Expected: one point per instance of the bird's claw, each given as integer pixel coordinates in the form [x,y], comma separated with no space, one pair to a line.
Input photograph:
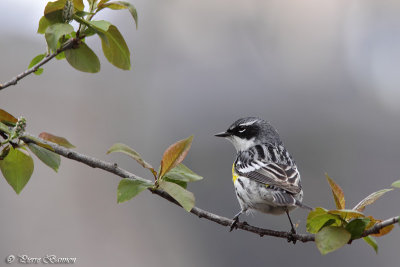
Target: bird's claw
[291,237]
[234,224]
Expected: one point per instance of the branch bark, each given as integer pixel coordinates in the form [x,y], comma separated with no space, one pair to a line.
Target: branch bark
[68,45]
[114,169]
[377,227]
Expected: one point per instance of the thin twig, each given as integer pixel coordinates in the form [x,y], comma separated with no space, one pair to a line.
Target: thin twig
[68,45]
[113,168]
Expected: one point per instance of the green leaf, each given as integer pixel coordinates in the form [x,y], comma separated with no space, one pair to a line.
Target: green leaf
[83,13]
[180,183]
[316,212]
[370,199]
[53,13]
[83,58]
[58,6]
[7,118]
[174,155]
[38,71]
[60,56]
[55,32]
[4,152]
[35,61]
[337,193]
[331,238]
[117,5]
[182,196]
[347,214]
[56,139]
[396,184]
[357,226]
[38,142]
[78,5]
[182,173]
[115,49]
[17,168]
[4,128]
[128,188]
[92,2]
[99,25]
[54,6]
[319,218]
[49,158]
[43,24]
[102,2]
[114,46]
[133,154]
[372,242]
[89,32]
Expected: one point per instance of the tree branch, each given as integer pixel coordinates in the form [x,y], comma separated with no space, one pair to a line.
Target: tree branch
[377,227]
[113,168]
[68,45]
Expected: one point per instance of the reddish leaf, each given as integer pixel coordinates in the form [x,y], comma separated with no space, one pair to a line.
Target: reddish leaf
[370,199]
[56,139]
[175,155]
[337,193]
[372,222]
[7,117]
[384,230]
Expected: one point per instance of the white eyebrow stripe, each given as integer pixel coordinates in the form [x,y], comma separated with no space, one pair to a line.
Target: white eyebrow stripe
[248,123]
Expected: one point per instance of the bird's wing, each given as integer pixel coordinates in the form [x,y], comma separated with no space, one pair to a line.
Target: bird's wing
[271,165]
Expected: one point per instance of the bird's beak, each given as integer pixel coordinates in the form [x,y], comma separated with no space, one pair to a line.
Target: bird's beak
[223,134]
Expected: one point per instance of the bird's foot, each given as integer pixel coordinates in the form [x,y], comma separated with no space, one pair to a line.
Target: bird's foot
[234,224]
[291,237]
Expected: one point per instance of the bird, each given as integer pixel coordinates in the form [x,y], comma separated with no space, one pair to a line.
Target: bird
[264,174]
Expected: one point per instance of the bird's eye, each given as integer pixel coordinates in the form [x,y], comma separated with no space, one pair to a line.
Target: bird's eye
[241,130]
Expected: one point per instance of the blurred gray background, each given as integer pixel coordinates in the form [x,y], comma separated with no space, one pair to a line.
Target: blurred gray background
[325,73]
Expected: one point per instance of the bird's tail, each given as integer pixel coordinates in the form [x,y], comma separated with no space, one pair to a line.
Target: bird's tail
[302,205]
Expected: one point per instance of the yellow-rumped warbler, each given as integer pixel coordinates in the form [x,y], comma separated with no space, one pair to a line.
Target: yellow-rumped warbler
[265,176]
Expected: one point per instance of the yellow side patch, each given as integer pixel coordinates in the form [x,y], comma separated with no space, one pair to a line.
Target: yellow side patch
[234,174]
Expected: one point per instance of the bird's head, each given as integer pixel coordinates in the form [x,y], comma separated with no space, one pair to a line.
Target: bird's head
[250,131]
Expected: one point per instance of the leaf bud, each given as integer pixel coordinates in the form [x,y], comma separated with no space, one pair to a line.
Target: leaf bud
[20,126]
[68,11]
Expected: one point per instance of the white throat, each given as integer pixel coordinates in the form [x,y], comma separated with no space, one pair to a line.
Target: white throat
[241,144]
